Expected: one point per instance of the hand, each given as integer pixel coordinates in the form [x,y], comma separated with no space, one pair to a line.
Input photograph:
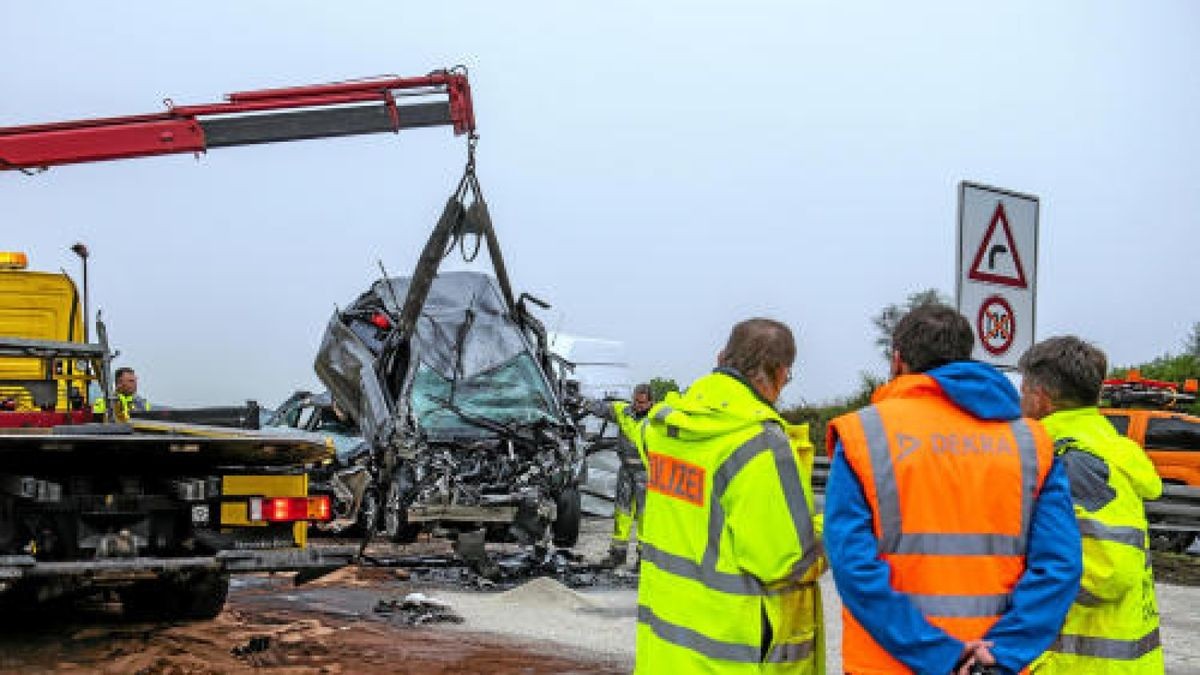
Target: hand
[975,651]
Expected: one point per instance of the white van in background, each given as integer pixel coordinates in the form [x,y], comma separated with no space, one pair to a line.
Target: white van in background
[602,370]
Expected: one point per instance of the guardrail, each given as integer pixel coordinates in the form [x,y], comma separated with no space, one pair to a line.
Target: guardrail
[1178,510]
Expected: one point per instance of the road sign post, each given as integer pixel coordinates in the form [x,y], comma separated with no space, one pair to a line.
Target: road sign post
[997,270]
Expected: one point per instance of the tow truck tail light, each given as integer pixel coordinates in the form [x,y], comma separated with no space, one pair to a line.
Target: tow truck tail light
[318,508]
[289,509]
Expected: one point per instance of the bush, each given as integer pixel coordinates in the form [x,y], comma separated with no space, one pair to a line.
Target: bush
[817,417]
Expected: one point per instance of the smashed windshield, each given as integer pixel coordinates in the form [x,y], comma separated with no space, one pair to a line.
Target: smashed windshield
[474,362]
[513,393]
[476,372]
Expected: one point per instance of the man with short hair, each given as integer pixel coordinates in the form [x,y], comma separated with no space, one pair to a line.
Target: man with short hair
[631,475]
[730,550]
[948,522]
[128,399]
[1113,625]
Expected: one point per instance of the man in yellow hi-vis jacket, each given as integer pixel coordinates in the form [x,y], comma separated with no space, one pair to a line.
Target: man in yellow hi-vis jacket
[1113,625]
[128,399]
[630,496]
[730,549]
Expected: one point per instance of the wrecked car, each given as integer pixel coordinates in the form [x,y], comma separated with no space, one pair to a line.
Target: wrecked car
[350,477]
[463,411]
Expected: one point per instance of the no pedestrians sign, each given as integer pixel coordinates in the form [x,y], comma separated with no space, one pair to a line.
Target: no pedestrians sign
[997,270]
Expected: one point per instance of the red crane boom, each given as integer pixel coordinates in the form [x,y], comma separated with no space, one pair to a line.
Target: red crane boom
[246,118]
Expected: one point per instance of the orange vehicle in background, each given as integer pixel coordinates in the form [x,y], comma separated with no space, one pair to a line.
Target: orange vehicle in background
[1151,412]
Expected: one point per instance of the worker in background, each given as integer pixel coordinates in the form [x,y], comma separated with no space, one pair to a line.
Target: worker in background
[127,396]
[631,475]
[1113,625]
[948,521]
[730,550]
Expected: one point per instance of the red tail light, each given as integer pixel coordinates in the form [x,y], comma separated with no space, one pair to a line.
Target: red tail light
[292,509]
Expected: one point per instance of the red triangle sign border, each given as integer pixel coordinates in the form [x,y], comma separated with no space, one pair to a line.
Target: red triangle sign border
[999,217]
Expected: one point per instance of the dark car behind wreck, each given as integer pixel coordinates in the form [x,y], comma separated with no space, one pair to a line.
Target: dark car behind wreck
[463,411]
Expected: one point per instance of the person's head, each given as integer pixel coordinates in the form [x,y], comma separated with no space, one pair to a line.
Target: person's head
[1060,373]
[762,350]
[643,399]
[929,336]
[126,381]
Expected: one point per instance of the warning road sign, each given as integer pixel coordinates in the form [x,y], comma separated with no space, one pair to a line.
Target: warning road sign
[997,270]
[998,260]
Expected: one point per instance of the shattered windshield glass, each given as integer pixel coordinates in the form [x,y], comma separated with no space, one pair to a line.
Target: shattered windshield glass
[513,393]
[476,372]
[475,367]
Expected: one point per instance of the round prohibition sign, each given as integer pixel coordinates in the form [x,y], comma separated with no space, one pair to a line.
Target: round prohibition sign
[996,325]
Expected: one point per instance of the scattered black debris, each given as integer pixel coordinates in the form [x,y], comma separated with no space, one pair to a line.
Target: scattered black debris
[417,609]
[504,570]
[256,644]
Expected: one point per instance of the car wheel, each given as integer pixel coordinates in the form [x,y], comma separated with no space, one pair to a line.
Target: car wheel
[368,512]
[566,525]
[395,516]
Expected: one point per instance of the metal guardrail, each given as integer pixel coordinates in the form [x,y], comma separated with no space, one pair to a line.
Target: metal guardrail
[1178,510]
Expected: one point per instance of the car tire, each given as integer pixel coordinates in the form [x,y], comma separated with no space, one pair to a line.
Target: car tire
[395,516]
[367,520]
[570,513]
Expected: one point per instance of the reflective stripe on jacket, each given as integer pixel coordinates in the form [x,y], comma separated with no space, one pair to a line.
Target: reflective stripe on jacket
[730,550]
[1113,625]
[952,498]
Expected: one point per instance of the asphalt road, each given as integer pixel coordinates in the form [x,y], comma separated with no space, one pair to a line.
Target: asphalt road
[333,626]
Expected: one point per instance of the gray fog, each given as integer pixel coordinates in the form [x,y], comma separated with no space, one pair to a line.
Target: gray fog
[657,171]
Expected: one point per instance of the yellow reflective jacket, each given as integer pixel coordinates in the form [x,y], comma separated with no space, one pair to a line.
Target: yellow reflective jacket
[129,403]
[1113,625]
[629,426]
[730,549]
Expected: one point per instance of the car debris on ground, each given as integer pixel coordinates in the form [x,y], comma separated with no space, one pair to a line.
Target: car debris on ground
[417,609]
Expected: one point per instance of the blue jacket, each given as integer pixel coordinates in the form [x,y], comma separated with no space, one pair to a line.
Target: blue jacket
[1040,599]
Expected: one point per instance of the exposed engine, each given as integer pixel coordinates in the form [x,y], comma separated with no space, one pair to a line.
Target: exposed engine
[487,472]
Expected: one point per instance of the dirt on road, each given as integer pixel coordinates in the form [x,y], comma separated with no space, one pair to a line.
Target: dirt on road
[248,636]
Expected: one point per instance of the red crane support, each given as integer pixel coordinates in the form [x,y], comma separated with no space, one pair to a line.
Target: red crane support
[246,118]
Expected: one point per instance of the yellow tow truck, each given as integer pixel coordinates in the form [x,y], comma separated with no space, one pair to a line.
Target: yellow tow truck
[161,513]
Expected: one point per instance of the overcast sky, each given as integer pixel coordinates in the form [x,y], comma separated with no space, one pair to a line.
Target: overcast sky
[656,170]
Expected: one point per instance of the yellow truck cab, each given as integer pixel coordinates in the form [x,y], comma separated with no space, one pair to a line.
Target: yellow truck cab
[160,512]
[37,306]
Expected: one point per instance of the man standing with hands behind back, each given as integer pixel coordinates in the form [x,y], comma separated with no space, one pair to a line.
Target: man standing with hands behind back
[948,522]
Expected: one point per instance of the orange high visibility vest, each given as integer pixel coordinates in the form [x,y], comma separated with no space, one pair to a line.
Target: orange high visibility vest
[952,497]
